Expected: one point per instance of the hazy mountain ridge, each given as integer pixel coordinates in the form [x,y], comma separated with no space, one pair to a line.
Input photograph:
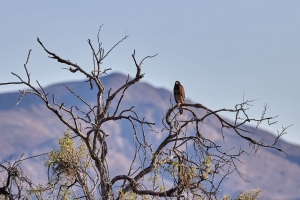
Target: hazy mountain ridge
[37,130]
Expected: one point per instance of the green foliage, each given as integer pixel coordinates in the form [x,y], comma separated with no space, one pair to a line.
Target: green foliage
[144,197]
[65,195]
[226,197]
[162,188]
[188,174]
[252,195]
[246,195]
[207,167]
[207,164]
[68,160]
[128,195]
[133,196]
[37,190]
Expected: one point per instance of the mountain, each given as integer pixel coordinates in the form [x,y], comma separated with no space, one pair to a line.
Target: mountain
[30,129]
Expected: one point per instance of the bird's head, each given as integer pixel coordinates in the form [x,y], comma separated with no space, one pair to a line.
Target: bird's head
[177,83]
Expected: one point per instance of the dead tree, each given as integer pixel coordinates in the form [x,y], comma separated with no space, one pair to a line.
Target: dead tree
[194,174]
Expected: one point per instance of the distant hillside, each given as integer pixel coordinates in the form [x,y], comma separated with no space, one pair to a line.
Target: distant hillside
[31,129]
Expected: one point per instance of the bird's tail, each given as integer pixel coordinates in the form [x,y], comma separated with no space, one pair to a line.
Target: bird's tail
[180,109]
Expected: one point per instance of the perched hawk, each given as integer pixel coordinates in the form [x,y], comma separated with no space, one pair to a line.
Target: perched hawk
[179,95]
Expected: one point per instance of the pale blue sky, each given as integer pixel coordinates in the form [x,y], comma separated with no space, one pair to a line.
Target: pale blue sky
[219,50]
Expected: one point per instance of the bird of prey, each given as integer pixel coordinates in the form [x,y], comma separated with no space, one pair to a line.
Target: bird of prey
[179,95]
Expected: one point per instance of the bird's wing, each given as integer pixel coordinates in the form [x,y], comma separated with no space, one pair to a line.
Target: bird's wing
[182,91]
